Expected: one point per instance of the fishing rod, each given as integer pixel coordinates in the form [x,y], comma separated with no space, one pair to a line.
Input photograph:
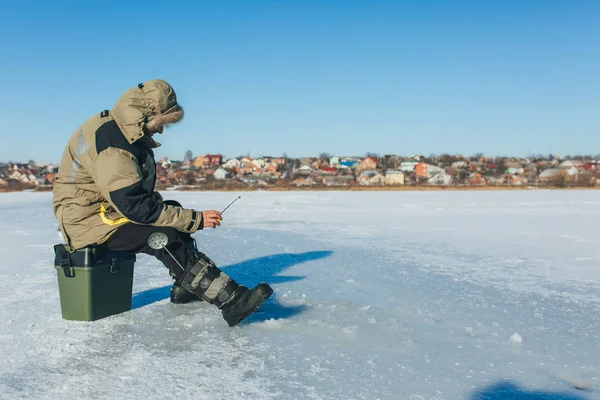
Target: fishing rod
[236,199]
[159,240]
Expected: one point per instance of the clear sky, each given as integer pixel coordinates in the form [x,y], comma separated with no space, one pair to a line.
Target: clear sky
[305,77]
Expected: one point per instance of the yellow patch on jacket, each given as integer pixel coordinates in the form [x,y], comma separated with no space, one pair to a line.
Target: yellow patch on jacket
[111,222]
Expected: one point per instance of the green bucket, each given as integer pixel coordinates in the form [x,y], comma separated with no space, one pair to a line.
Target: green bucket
[93,283]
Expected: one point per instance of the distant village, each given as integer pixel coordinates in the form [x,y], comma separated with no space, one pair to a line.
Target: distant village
[213,172]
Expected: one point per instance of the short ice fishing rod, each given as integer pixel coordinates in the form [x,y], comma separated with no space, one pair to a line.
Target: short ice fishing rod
[159,240]
[236,199]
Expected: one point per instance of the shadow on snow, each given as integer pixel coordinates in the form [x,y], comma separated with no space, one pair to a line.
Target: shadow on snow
[250,273]
[510,391]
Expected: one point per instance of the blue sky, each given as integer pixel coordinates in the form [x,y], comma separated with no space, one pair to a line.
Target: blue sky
[305,77]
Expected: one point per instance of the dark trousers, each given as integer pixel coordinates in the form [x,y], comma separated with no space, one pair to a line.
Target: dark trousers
[134,239]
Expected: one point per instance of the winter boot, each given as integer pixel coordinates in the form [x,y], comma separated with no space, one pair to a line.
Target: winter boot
[244,302]
[203,279]
[179,295]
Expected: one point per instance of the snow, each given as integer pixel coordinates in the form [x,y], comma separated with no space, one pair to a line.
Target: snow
[378,295]
[515,338]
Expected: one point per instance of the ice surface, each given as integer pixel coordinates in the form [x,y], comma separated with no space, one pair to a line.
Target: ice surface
[378,295]
[515,338]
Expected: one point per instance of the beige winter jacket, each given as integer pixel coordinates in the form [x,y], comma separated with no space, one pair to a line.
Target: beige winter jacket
[107,174]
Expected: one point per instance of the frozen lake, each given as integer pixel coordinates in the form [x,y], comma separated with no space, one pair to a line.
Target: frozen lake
[378,295]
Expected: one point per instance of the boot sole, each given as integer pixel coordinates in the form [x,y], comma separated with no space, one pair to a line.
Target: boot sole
[264,298]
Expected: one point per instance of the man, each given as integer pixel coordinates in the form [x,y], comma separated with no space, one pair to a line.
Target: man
[104,196]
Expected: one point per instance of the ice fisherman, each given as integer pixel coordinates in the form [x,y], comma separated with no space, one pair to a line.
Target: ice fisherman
[104,196]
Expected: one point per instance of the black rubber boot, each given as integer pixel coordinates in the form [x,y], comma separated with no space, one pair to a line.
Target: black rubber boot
[244,302]
[179,295]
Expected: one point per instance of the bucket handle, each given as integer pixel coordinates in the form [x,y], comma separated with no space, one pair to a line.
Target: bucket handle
[65,260]
[114,266]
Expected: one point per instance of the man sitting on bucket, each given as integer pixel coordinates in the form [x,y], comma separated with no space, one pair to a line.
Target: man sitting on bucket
[104,196]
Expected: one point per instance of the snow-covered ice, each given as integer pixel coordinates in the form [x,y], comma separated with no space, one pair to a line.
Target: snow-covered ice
[378,295]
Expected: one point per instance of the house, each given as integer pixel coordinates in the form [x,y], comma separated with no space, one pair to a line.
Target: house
[49,178]
[408,166]
[440,179]
[232,164]
[3,182]
[588,167]
[31,179]
[570,164]
[221,173]
[367,164]
[476,166]
[371,177]
[513,179]
[52,169]
[303,170]
[247,169]
[394,177]
[271,169]
[572,171]
[514,167]
[476,179]
[16,175]
[421,170]
[198,162]
[572,167]
[460,164]
[258,163]
[278,161]
[347,164]
[551,175]
[212,160]
[328,170]
[166,163]
[246,160]
[333,161]
[434,169]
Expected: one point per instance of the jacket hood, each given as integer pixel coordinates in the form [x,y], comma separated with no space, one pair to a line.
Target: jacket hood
[151,102]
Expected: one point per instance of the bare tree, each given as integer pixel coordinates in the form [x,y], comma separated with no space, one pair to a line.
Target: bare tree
[500,167]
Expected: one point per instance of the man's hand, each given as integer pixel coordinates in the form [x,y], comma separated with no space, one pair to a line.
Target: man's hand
[212,218]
